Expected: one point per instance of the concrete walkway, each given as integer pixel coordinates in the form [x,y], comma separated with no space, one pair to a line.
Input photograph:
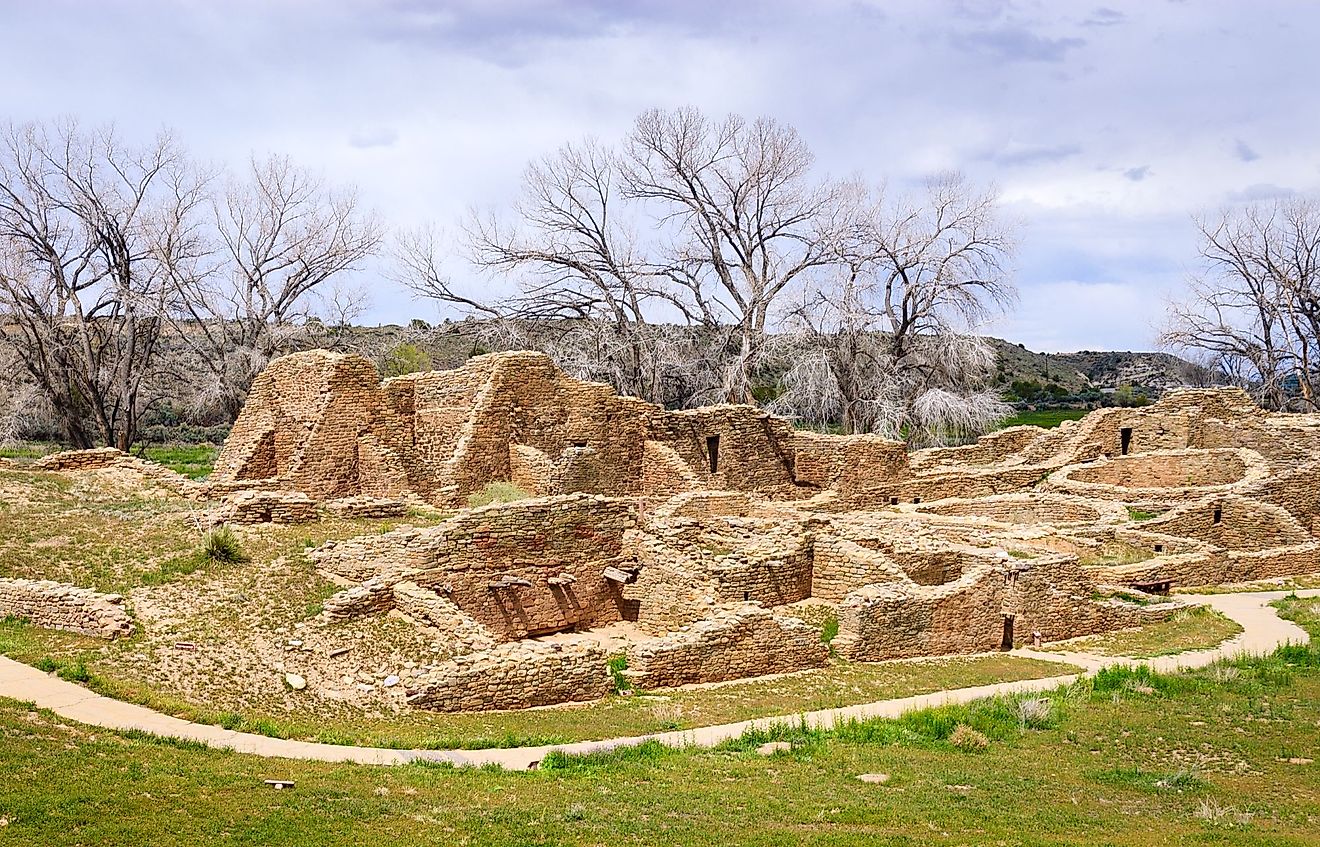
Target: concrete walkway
[1263,630]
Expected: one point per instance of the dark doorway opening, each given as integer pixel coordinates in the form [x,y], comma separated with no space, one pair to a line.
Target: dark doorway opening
[1219,514]
[1007,642]
[713,452]
[1125,440]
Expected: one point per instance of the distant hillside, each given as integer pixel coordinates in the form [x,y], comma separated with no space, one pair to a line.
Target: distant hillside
[1085,372]
[1076,373]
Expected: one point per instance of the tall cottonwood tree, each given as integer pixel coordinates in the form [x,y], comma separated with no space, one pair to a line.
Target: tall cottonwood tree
[89,227]
[734,218]
[1253,310]
[747,219]
[888,341]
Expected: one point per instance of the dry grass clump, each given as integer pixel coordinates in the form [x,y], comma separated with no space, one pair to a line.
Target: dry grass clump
[496,492]
[967,739]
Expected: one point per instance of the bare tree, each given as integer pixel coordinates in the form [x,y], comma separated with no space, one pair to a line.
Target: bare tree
[733,218]
[281,234]
[747,219]
[888,342]
[88,230]
[1253,312]
[580,256]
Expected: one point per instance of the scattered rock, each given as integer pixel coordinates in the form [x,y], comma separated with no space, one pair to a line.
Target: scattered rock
[876,778]
[772,747]
[295,682]
[390,681]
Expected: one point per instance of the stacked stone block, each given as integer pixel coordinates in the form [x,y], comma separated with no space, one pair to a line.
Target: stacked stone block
[57,606]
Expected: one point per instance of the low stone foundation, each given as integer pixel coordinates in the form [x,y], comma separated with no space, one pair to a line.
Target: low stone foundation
[284,507]
[738,643]
[55,605]
[367,507]
[517,675]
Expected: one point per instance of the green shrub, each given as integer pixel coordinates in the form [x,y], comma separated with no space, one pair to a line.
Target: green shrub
[496,492]
[76,672]
[617,665]
[221,547]
[829,628]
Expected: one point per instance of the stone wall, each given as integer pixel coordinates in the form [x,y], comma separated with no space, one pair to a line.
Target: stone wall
[1031,508]
[282,507]
[734,643]
[900,620]
[1232,522]
[57,606]
[516,676]
[977,611]
[840,566]
[523,568]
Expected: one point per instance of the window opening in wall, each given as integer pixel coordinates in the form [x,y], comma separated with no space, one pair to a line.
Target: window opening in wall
[713,452]
[747,595]
[893,501]
[1219,514]
[1007,642]
[1159,548]
[916,499]
[579,444]
[1125,440]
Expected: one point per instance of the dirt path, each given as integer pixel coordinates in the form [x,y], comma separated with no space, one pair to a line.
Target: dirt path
[1262,631]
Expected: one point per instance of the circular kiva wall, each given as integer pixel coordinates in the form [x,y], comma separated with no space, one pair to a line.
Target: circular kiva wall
[1199,471]
[1019,509]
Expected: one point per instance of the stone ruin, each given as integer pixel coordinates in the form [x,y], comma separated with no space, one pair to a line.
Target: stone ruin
[709,544]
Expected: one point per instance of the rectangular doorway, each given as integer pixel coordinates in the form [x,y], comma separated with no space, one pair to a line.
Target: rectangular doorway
[1007,642]
[713,452]
[1125,440]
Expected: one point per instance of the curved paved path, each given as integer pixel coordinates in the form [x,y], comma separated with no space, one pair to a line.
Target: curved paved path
[1262,631]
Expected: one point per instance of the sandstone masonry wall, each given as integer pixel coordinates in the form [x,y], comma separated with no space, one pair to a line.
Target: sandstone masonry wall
[517,676]
[57,606]
[735,643]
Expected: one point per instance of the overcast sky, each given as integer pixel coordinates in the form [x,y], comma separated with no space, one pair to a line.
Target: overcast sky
[1106,127]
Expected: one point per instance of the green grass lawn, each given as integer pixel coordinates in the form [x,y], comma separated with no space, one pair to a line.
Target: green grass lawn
[1043,417]
[192,460]
[1199,628]
[1222,755]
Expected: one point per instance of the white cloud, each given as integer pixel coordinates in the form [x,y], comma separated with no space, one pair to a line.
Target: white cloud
[431,107]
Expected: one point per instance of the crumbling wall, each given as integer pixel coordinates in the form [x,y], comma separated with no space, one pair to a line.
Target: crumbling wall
[522,568]
[1030,508]
[1057,598]
[516,676]
[57,606]
[671,590]
[734,643]
[901,619]
[840,566]
[1232,522]
[282,507]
